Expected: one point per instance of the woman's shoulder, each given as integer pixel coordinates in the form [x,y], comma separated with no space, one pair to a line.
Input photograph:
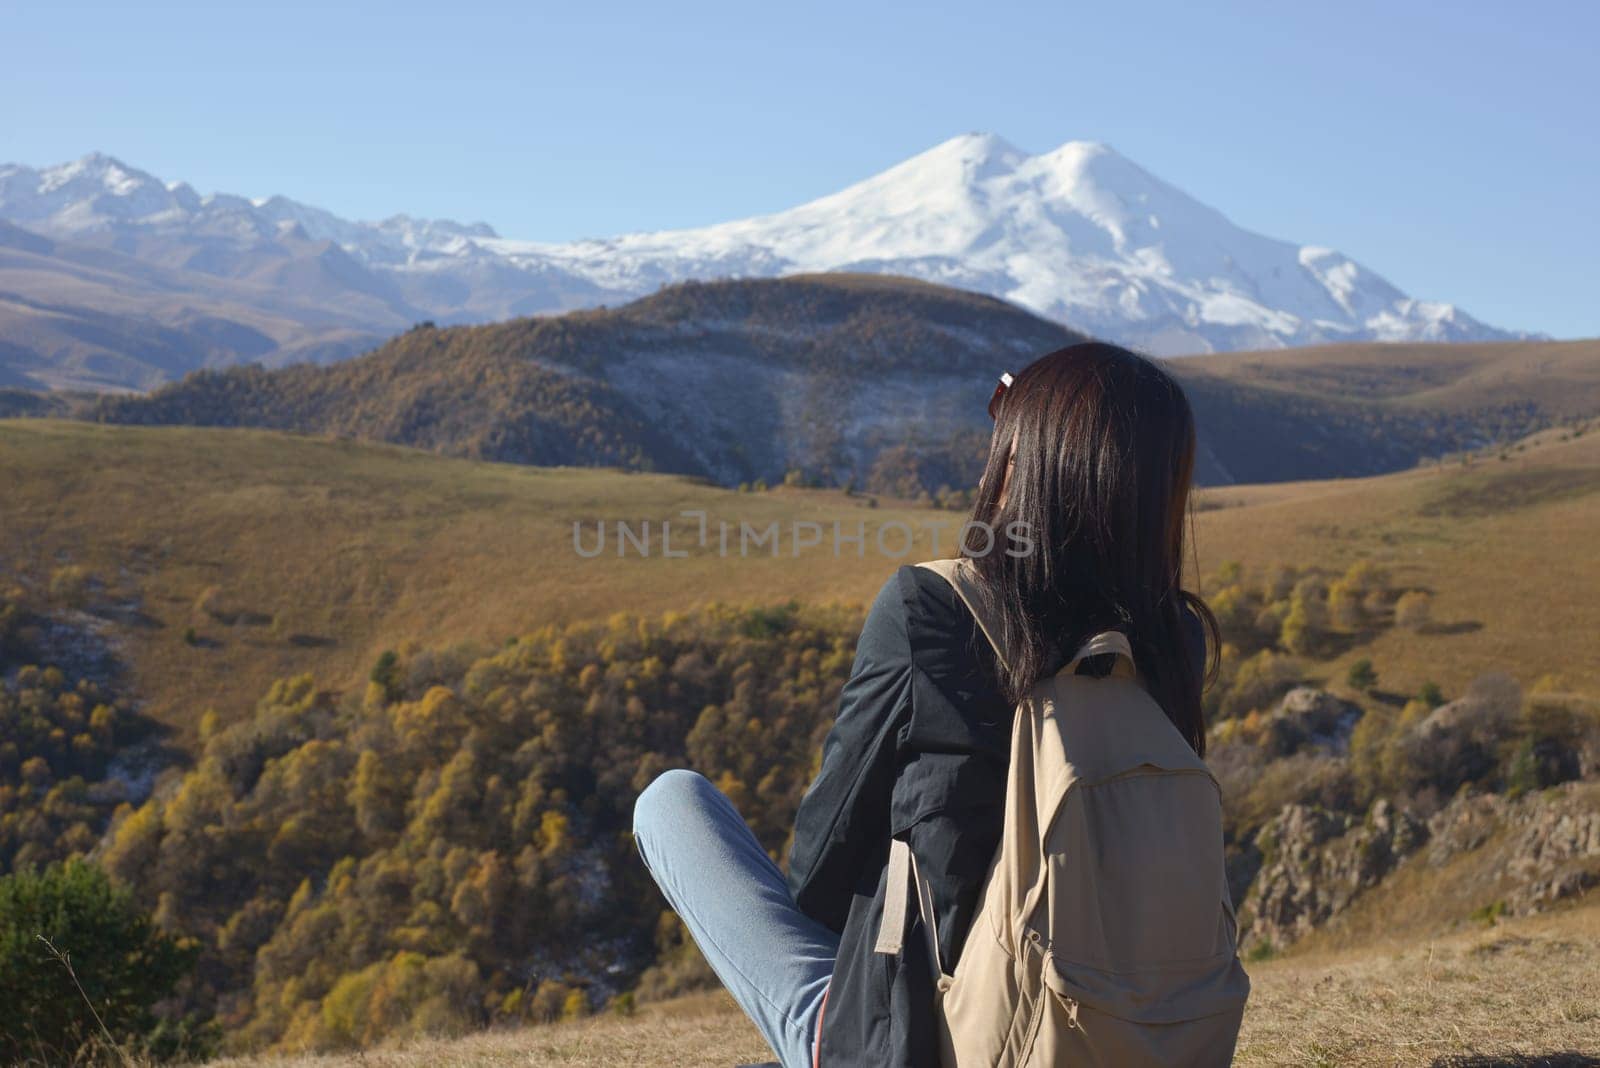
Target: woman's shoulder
[918,596]
[929,594]
[917,609]
[941,632]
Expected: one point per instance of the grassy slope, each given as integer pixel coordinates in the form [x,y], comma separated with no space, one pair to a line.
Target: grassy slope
[329,552]
[1561,376]
[332,552]
[1361,409]
[1506,547]
[1529,988]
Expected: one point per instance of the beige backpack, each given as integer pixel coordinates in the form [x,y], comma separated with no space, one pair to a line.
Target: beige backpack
[1104,934]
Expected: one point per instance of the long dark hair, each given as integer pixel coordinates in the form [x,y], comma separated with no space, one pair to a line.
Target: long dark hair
[1104,455]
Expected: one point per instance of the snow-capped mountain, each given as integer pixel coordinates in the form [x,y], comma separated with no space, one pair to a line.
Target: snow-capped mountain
[1080,234]
[99,195]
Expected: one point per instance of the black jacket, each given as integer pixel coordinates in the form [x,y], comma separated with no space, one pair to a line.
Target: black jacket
[919,751]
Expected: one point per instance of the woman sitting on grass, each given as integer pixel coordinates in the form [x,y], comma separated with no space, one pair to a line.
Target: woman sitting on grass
[1091,460]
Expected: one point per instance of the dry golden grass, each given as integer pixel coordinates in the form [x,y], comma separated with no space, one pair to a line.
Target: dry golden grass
[1525,988]
[706,1029]
[1561,377]
[1506,547]
[1528,988]
[324,553]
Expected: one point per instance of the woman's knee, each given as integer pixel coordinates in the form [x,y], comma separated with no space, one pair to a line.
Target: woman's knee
[666,801]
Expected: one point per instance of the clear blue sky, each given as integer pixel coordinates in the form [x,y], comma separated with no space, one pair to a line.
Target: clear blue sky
[1451,147]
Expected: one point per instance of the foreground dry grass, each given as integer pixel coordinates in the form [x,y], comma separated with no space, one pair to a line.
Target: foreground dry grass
[1525,989]
[1525,993]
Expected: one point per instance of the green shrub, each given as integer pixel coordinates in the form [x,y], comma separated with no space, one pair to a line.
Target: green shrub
[386,674]
[111,957]
[1361,675]
[1489,914]
[1261,951]
[1258,682]
[1552,736]
[1523,771]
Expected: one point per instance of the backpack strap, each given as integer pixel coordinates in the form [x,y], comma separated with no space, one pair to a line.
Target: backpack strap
[964,580]
[901,882]
[1107,641]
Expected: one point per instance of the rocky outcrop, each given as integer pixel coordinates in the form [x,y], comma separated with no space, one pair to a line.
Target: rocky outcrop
[1315,862]
[1533,852]
[1312,718]
[1543,847]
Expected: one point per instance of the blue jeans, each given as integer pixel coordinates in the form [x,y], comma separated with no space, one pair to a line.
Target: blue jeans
[774,960]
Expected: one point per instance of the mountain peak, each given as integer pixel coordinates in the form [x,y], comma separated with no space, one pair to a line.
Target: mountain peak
[988,155]
[96,158]
[974,156]
[978,142]
[97,170]
[101,165]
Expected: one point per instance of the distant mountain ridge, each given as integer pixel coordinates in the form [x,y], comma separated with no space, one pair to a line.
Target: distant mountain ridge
[84,316]
[1080,235]
[862,380]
